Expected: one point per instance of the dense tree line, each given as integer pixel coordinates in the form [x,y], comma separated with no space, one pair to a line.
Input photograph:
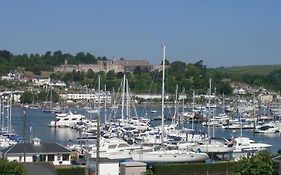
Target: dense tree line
[191,76]
[43,96]
[37,63]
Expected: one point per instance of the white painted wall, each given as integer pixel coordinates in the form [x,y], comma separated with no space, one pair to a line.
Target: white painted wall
[109,168]
[27,159]
[30,159]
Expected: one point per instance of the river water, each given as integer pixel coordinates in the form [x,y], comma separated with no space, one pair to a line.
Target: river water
[39,120]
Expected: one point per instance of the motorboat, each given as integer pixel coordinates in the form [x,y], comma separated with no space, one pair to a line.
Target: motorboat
[244,146]
[268,128]
[68,120]
[116,149]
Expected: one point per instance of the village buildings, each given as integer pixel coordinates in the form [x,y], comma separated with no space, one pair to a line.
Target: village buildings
[106,66]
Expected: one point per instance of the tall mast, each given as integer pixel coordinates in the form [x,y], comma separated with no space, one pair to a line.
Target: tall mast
[193,106]
[105,100]
[223,103]
[209,109]
[1,113]
[98,131]
[254,104]
[51,94]
[214,111]
[238,112]
[123,96]
[176,102]
[10,113]
[183,97]
[163,91]
[127,98]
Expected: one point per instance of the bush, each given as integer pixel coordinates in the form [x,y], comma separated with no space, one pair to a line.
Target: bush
[11,168]
[259,164]
[220,168]
[71,171]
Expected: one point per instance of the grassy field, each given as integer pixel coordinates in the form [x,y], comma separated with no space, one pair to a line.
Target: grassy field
[251,70]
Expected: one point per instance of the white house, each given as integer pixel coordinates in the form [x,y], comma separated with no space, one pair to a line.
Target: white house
[265,98]
[150,96]
[41,81]
[38,152]
[104,97]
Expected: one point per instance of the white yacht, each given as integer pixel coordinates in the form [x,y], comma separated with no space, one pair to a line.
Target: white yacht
[116,149]
[214,146]
[68,120]
[244,146]
[5,142]
[169,156]
[268,128]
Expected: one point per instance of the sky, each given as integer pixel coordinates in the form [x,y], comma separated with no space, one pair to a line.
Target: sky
[220,32]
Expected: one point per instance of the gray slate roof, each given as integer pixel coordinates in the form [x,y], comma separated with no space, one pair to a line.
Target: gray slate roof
[45,148]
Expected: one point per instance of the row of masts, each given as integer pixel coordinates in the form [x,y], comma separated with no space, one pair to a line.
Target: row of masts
[6,115]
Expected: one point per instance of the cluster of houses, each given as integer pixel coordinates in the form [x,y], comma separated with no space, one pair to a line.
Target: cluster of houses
[263,95]
[115,65]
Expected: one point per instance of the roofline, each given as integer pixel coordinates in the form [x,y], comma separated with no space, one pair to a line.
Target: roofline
[275,159]
[21,153]
[62,146]
[9,149]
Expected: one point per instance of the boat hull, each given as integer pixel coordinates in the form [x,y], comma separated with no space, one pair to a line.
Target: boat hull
[169,157]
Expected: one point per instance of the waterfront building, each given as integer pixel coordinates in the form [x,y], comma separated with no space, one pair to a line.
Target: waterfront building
[104,97]
[150,96]
[37,152]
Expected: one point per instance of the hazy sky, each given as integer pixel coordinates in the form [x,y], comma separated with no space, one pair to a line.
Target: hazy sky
[222,32]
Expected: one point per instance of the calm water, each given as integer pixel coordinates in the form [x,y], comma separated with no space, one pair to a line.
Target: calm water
[40,120]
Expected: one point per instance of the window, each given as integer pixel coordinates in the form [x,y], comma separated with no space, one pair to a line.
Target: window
[122,145]
[42,157]
[65,119]
[51,157]
[65,157]
[112,146]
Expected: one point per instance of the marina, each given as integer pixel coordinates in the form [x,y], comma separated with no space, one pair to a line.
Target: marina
[39,121]
[129,133]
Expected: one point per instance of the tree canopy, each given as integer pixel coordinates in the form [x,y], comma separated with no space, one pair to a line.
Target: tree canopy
[191,76]
[11,168]
[259,164]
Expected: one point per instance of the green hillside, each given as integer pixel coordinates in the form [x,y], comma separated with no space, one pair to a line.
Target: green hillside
[251,70]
